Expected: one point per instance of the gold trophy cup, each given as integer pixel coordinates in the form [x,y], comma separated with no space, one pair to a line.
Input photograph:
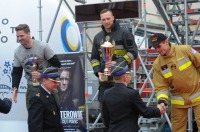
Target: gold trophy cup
[34,61]
[107,54]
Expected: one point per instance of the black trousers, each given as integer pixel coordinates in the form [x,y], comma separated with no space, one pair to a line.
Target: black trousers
[102,88]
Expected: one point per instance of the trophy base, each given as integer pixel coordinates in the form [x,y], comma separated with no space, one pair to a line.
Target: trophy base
[104,78]
[36,84]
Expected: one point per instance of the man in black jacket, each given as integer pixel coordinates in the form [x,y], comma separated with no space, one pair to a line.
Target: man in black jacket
[5,105]
[44,111]
[124,49]
[122,105]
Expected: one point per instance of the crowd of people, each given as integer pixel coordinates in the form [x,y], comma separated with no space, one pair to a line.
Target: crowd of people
[120,105]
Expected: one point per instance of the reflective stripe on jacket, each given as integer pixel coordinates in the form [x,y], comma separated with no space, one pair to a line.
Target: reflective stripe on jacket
[177,74]
[125,46]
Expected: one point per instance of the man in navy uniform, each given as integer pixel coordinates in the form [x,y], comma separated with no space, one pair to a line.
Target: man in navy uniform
[5,104]
[44,111]
[122,105]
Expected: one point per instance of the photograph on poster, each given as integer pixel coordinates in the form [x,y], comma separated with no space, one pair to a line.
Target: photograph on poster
[71,92]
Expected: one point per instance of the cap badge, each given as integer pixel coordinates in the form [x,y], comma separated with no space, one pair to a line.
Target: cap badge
[154,39]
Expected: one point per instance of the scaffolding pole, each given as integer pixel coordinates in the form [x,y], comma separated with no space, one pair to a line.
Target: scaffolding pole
[40,19]
[166,18]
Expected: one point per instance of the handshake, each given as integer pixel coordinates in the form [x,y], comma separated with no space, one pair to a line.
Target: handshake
[162,108]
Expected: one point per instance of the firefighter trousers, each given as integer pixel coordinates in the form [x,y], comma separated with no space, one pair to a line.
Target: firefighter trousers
[179,118]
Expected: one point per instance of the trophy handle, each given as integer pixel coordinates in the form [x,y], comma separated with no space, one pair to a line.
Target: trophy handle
[35,81]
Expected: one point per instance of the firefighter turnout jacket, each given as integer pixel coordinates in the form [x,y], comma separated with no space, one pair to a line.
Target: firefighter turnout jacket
[125,47]
[177,76]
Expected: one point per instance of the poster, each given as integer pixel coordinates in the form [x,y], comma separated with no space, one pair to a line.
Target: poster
[72,92]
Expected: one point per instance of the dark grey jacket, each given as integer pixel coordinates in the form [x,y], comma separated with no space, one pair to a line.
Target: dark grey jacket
[125,46]
[121,108]
[44,113]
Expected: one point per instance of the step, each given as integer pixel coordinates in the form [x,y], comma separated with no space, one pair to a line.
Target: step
[196,43]
[150,120]
[141,82]
[149,63]
[97,125]
[150,55]
[182,12]
[190,33]
[190,22]
[153,100]
[178,1]
[142,72]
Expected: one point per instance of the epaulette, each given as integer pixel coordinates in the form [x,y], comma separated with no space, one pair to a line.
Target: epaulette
[38,94]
